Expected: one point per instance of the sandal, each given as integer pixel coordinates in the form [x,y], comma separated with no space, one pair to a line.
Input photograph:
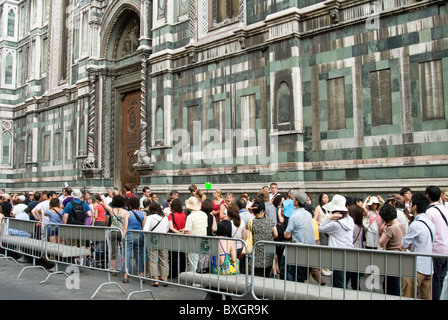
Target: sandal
[155,284]
[125,280]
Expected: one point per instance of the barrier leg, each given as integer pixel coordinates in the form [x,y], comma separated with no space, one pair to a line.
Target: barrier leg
[107,283]
[5,256]
[32,267]
[56,272]
[141,291]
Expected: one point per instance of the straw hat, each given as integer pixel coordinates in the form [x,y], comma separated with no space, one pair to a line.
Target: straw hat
[193,204]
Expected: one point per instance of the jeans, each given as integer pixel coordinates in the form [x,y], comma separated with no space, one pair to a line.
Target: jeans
[391,285]
[338,278]
[440,269]
[134,245]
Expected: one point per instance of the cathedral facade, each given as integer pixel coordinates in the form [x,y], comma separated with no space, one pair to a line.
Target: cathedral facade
[324,95]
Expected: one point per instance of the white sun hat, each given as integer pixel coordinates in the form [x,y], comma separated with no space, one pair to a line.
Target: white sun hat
[336,204]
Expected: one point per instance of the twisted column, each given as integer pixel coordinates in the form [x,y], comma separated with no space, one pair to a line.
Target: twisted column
[90,161]
[192,16]
[143,157]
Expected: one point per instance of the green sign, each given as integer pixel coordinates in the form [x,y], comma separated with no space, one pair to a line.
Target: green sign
[208,185]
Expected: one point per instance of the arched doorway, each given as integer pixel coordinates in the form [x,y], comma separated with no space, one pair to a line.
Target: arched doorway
[122,93]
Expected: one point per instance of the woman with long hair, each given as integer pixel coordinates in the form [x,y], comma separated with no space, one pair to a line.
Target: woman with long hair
[99,211]
[239,230]
[372,221]
[156,221]
[320,214]
[357,214]
[218,201]
[119,218]
[177,219]
[263,228]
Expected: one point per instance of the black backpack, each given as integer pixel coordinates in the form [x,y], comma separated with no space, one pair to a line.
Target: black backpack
[78,214]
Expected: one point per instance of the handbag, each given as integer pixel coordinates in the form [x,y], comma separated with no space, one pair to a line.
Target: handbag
[203,264]
[249,240]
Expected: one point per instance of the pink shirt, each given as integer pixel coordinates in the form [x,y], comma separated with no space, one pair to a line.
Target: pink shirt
[440,245]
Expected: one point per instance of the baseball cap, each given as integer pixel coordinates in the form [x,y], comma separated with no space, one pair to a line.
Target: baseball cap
[300,196]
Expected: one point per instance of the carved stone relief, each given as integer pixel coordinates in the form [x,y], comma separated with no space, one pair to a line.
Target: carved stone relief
[129,39]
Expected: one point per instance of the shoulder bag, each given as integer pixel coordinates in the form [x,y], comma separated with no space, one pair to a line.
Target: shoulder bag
[249,240]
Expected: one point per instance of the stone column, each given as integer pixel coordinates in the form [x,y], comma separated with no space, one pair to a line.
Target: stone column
[144,165]
[89,165]
[145,25]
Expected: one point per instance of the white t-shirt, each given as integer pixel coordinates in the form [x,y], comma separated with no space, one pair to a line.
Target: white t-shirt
[22,216]
[237,233]
[42,207]
[152,220]
[197,222]
[18,209]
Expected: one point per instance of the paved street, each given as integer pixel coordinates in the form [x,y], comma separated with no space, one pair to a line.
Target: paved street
[28,286]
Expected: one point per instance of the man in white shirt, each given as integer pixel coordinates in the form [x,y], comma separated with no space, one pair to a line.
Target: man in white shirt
[444,198]
[63,196]
[42,207]
[146,192]
[419,238]
[273,191]
[19,207]
[439,216]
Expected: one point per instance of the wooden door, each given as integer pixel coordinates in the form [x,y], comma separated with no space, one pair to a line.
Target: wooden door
[130,138]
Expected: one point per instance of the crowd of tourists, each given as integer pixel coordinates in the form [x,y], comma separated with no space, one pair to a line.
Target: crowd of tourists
[404,221]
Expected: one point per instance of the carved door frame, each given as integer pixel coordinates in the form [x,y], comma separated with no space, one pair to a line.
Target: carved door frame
[131,137]
[120,93]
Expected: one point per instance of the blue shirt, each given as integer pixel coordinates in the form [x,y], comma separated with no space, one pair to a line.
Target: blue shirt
[300,225]
[54,217]
[418,236]
[133,223]
[69,206]
[288,207]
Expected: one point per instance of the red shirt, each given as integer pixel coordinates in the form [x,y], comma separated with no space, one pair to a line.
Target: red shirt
[179,220]
[101,212]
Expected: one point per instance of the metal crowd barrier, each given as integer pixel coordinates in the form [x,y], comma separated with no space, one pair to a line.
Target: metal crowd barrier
[24,238]
[82,246]
[368,272]
[93,247]
[183,253]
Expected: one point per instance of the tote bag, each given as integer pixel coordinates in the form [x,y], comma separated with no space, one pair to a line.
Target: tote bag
[249,240]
